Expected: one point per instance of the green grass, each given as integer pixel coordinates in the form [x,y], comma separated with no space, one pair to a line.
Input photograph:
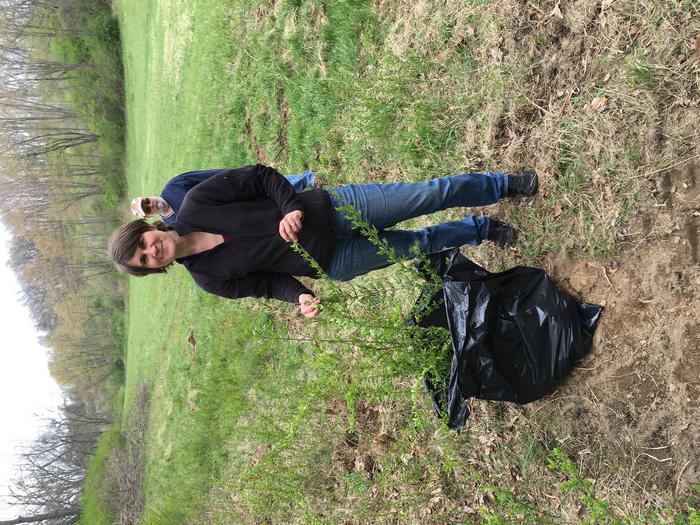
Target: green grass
[275,420]
[94,510]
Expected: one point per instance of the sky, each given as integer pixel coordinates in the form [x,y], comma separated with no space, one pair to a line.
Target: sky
[27,391]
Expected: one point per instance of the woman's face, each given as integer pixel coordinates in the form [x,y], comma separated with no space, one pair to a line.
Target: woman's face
[156,249]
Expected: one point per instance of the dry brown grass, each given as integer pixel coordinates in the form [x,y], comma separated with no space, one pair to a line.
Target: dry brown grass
[127,462]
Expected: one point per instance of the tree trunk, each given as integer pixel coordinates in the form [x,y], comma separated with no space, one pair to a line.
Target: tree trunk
[37,518]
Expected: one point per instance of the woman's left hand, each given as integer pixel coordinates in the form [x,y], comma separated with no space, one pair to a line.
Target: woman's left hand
[290,226]
[309,305]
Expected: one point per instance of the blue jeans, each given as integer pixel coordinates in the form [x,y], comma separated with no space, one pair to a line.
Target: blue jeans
[301,182]
[385,205]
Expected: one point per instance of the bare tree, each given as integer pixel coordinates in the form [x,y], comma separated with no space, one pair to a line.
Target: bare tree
[52,468]
[72,515]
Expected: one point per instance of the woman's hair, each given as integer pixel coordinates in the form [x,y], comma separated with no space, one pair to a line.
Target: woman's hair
[124,241]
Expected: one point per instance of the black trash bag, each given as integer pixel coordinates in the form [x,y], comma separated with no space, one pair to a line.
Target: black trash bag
[515,335]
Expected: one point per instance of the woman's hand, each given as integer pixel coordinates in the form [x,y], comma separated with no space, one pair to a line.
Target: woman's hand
[290,225]
[309,305]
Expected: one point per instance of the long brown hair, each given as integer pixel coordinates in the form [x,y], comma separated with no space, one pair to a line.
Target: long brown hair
[124,241]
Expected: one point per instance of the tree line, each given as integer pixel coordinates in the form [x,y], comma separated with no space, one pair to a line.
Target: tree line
[61,133]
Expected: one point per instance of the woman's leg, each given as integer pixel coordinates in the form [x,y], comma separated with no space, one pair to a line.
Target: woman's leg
[355,255]
[384,205]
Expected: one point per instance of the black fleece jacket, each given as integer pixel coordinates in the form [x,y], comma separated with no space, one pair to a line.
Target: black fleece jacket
[246,205]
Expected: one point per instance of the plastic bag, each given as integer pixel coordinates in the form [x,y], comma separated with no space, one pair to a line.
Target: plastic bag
[515,335]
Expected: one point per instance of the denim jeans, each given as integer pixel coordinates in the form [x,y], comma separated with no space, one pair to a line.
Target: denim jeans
[301,182]
[385,205]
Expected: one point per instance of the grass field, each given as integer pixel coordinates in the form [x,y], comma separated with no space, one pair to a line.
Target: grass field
[263,417]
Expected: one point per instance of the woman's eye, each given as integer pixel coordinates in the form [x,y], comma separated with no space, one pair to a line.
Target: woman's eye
[141,244]
[143,260]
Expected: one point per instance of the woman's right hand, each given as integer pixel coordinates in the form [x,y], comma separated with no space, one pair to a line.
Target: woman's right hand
[291,225]
[309,305]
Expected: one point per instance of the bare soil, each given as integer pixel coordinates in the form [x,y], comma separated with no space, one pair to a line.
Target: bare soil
[634,404]
[636,398]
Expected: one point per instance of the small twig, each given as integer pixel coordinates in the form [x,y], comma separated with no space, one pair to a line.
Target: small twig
[592,393]
[628,374]
[589,368]
[641,241]
[605,273]
[566,102]
[552,400]
[653,379]
[595,403]
[680,474]
[655,458]
[648,495]
[535,104]
[536,8]
[683,307]
[665,168]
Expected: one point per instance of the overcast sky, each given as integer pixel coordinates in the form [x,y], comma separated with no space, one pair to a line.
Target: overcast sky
[27,391]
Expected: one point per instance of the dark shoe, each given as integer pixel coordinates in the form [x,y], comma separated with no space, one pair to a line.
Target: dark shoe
[522,183]
[501,233]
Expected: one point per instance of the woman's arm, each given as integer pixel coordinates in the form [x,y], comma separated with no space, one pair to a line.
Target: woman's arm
[270,285]
[248,184]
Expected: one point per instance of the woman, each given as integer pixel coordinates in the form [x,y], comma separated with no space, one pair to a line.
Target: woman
[233,231]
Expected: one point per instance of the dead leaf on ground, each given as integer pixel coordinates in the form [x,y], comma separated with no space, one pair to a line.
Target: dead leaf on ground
[496,54]
[556,12]
[599,104]
[515,473]
[192,342]
[602,183]
[696,46]
[557,210]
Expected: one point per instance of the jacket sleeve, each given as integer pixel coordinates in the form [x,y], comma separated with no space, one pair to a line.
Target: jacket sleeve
[176,188]
[250,183]
[270,285]
[190,179]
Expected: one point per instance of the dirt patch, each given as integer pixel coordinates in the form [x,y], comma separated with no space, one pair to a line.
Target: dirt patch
[637,396]
[284,119]
[605,126]
[259,151]
[365,443]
